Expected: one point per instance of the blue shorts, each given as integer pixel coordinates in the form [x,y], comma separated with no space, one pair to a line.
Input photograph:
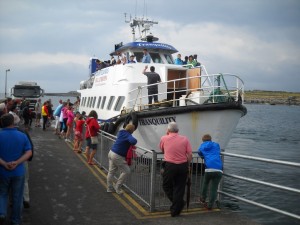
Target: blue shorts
[89,144]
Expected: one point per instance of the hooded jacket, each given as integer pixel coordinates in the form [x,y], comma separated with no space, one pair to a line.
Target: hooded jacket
[123,142]
[210,151]
[92,127]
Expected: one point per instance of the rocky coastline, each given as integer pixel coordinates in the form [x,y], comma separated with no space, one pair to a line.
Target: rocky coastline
[272,97]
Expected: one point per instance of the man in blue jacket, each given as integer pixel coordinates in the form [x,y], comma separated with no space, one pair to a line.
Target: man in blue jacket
[117,158]
[210,151]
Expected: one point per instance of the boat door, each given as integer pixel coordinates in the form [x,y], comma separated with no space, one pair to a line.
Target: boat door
[182,81]
[194,81]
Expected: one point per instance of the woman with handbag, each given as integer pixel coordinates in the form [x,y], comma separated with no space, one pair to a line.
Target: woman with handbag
[92,129]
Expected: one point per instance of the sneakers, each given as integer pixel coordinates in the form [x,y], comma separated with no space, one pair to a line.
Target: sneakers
[110,190]
[119,191]
[68,140]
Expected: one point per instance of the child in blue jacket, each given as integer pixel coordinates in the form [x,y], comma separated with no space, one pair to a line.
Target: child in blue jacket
[210,151]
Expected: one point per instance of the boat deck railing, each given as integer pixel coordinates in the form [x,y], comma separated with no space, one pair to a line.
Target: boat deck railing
[145,180]
[214,88]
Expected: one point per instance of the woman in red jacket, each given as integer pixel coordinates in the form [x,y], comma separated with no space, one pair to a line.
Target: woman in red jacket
[92,129]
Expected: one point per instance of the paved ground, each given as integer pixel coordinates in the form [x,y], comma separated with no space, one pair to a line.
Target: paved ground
[65,190]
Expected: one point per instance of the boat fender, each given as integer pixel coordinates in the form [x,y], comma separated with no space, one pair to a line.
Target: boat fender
[105,127]
[111,128]
[131,117]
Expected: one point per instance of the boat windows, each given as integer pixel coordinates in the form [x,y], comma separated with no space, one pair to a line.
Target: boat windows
[110,102]
[103,102]
[85,98]
[88,102]
[94,101]
[91,102]
[119,103]
[169,58]
[99,101]
[156,57]
[138,56]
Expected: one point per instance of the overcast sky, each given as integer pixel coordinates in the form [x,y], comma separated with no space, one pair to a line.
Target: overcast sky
[51,41]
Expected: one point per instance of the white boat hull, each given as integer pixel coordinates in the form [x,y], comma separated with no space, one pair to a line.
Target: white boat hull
[219,124]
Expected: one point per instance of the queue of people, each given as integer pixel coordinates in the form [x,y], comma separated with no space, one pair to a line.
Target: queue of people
[176,148]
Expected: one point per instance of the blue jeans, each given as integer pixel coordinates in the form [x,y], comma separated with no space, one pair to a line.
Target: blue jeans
[16,185]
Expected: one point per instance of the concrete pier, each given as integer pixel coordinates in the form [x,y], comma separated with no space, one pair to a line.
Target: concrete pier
[64,189]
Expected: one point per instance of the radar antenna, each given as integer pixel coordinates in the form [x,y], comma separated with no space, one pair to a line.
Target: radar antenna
[143,26]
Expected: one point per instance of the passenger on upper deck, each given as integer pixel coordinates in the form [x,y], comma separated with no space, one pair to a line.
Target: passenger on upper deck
[112,61]
[146,57]
[191,62]
[186,59]
[131,59]
[178,60]
[121,57]
[100,65]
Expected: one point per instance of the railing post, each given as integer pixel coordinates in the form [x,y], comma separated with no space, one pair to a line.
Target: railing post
[101,146]
[222,180]
[153,179]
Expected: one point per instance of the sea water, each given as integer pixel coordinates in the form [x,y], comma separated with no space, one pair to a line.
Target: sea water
[268,131]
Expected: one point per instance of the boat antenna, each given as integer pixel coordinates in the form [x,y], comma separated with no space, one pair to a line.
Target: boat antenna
[142,24]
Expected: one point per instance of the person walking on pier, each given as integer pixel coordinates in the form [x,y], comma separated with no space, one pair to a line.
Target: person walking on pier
[15,149]
[45,114]
[117,158]
[210,151]
[92,128]
[177,154]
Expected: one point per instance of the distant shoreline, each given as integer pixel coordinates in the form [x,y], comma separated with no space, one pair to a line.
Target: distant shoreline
[272,97]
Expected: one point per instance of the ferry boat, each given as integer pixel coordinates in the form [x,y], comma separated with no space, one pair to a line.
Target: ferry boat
[198,102]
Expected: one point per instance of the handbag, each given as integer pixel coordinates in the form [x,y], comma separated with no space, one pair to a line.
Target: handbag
[94,140]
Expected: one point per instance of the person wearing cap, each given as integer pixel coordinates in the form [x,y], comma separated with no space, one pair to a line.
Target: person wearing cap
[131,59]
[211,153]
[177,151]
[146,57]
[117,158]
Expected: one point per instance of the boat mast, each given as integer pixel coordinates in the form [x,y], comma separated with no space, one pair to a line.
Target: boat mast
[142,24]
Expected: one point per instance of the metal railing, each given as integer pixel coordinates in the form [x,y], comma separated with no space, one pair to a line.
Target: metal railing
[145,180]
[213,88]
[262,183]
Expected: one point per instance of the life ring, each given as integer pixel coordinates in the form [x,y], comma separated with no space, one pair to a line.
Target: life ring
[131,118]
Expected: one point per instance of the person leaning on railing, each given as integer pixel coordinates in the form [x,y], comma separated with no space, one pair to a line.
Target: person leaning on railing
[117,159]
[210,151]
[177,155]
